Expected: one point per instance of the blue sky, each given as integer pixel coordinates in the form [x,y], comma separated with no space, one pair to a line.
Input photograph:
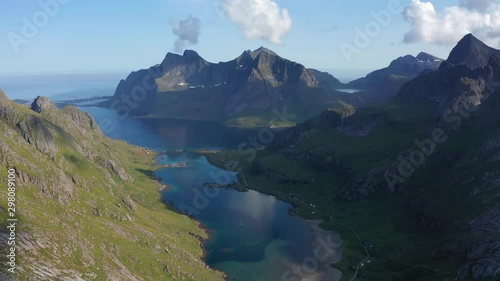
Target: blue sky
[126,35]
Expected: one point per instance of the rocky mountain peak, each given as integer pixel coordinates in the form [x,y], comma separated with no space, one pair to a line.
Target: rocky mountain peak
[264,51]
[245,58]
[403,60]
[41,104]
[471,52]
[188,57]
[191,55]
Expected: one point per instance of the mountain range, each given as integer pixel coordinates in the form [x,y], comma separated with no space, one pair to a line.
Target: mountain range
[251,85]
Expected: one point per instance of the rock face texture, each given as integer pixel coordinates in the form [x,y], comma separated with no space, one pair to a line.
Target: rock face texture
[255,80]
[42,103]
[36,133]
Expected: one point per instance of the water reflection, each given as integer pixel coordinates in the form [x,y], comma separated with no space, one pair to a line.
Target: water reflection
[248,230]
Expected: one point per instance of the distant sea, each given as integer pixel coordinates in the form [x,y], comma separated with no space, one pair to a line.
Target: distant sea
[60,86]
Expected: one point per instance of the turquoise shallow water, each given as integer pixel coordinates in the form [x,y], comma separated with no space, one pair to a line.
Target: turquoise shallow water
[252,235]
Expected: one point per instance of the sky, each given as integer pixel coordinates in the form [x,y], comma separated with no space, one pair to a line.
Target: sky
[45,36]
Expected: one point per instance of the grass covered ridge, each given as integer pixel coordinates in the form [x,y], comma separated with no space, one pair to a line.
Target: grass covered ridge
[92,211]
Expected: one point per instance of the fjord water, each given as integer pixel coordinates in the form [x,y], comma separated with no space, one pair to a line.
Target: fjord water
[252,235]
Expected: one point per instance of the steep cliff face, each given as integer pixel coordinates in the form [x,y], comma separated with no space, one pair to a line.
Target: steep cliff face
[252,82]
[87,206]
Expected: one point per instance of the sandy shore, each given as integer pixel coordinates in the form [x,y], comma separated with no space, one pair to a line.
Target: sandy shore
[326,248]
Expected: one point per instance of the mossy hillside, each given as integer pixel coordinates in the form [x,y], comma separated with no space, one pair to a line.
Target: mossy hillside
[79,219]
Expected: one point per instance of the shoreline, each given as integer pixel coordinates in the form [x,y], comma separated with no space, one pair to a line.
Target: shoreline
[328,272]
[166,187]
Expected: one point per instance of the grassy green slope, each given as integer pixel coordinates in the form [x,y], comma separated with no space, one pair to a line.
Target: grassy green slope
[78,218]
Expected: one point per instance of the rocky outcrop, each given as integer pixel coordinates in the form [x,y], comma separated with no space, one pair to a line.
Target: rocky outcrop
[42,104]
[117,168]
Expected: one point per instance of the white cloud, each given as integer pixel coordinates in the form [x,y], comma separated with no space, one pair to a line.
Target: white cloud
[187,32]
[479,17]
[259,19]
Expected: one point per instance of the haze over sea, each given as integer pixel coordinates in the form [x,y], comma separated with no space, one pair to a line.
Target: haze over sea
[60,86]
